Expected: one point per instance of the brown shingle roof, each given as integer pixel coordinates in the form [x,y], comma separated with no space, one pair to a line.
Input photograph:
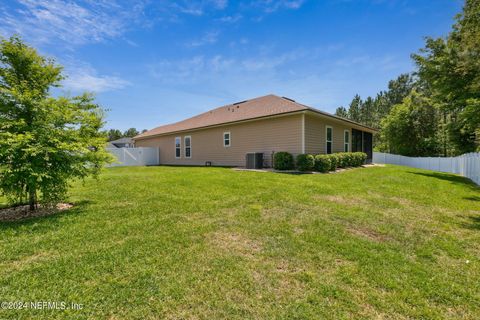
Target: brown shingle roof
[250,109]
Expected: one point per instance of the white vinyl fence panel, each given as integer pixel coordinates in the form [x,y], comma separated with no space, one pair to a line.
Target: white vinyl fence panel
[467,165]
[135,156]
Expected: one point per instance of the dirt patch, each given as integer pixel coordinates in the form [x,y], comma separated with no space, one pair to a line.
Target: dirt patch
[22,212]
[236,243]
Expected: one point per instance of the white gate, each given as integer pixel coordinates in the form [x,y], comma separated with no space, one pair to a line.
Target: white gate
[467,165]
[135,156]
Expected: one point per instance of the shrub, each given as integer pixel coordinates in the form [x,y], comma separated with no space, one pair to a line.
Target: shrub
[333,162]
[344,159]
[283,161]
[348,160]
[305,162]
[322,163]
[339,157]
[358,158]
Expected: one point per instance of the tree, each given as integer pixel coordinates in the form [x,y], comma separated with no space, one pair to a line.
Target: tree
[341,112]
[411,128]
[45,142]
[354,109]
[114,134]
[130,133]
[451,68]
[367,112]
[399,89]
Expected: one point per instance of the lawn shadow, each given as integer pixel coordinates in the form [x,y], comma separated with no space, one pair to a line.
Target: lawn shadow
[44,222]
[294,173]
[473,223]
[458,180]
[472,198]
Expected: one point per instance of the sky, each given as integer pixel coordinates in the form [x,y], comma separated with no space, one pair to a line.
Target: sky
[153,62]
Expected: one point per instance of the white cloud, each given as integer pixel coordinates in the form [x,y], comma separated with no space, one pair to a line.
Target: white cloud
[75,23]
[220,4]
[274,5]
[208,38]
[85,78]
[201,68]
[195,8]
[231,19]
[326,76]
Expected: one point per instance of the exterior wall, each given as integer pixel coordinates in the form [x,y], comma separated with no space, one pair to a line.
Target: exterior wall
[315,134]
[283,133]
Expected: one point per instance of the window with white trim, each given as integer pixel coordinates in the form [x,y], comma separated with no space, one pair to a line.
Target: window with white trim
[178,147]
[227,141]
[187,141]
[346,141]
[329,139]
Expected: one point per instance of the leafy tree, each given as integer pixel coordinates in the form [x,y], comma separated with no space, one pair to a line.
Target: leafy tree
[130,133]
[341,112]
[45,142]
[451,68]
[411,128]
[114,134]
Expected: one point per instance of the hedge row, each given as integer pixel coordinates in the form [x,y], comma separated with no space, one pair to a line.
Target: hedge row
[320,163]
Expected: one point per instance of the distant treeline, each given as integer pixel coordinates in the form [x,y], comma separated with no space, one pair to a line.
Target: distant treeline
[114,134]
[435,110]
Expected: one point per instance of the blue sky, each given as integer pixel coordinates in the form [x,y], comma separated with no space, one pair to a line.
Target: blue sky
[156,62]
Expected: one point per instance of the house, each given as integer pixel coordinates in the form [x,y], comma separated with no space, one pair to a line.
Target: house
[122,143]
[268,124]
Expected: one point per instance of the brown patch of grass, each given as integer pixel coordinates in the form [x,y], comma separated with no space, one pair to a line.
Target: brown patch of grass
[25,262]
[346,200]
[368,234]
[403,202]
[236,243]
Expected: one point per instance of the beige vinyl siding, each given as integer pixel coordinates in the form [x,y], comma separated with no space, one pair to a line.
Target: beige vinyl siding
[282,133]
[315,134]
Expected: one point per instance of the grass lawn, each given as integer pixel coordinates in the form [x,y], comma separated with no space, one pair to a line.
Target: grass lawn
[210,243]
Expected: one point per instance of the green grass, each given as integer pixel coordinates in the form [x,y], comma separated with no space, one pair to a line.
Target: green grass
[210,243]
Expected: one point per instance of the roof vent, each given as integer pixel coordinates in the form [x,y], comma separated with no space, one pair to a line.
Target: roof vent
[288,99]
[236,103]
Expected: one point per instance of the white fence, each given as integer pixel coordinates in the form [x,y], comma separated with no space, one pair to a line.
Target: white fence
[135,156]
[467,165]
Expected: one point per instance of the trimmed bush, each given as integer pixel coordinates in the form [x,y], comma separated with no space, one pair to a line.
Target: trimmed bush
[305,162]
[358,158]
[283,161]
[333,162]
[348,159]
[343,159]
[322,163]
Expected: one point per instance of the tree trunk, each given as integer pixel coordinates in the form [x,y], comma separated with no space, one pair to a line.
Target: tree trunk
[31,199]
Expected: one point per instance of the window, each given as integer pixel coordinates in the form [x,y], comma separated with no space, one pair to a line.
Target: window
[346,141]
[226,139]
[329,136]
[188,146]
[178,146]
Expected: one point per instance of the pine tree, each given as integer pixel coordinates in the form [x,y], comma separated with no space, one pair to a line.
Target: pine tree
[341,112]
